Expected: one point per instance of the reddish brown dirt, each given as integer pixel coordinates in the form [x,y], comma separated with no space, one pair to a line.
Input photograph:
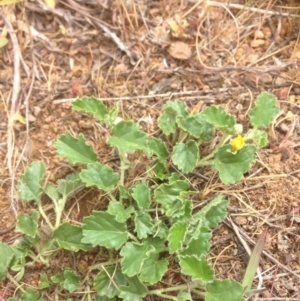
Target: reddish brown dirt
[226,59]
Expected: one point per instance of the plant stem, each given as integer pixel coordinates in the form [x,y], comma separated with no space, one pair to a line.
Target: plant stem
[37,258]
[205,161]
[199,142]
[87,293]
[164,296]
[111,196]
[133,237]
[193,285]
[182,136]
[15,282]
[198,292]
[60,206]
[123,168]
[43,214]
[111,254]
[174,137]
[98,266]
[122,172]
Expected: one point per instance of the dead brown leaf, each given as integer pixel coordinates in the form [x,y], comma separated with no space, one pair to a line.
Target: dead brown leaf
[180,50]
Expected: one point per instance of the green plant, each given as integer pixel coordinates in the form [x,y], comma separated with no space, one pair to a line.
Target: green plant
[149,222]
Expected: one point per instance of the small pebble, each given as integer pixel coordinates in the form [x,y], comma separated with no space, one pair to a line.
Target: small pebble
[257,43]
[36,111]
[31,118]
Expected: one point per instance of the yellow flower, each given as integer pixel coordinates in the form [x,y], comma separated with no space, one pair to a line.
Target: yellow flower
[237,143]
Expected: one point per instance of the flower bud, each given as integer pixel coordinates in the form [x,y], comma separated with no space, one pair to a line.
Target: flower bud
[237,143]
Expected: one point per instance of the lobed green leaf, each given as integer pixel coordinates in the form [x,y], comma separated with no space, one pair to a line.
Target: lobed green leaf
[158,170]
[196,126]
[31,295]
[199,243]
[171,110]
[91,105]
[153,269]
[260,138]
[28,224]
[158,147]
[135,290]
[69,237]
[232,166]
[143,225]
[75,150]
[217,116]
[44,281]
[116,208]
[30,184]
[141,194]
[127,138]
[101,176]
[161,230]
[52,192]
[186,156]
[213,213]
[176,236]
[167,122]
[68,279]
[224,290]
[69,185]
[7,255]
[265,110]
[166,194]
[102,229]
[134,255]
[172,197]
[156,242]
[124,193]
[196,267]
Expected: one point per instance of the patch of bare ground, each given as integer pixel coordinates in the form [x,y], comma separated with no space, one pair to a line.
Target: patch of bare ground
[143,53]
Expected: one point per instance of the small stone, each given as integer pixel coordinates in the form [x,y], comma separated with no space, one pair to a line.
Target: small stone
[120,68]
[267,32]
[289,116]
[257,43]
[283,93]
[31,118]
[241,220]
[266,78]
[292,98]
[180,50]
[49,143]
[252,58]
[296,55]
[48,119]
[36,111]
[280,80]
[82,266]
[85,124]
[259,34]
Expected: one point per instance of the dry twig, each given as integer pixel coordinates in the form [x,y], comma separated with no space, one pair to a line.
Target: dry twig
[14,107]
